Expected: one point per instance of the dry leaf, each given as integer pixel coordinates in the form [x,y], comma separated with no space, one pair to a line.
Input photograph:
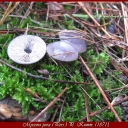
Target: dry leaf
[5,111]
[44,72]
[109,44]
[32,93]
[15,110]
[43,118]
[17,115]
[31,112]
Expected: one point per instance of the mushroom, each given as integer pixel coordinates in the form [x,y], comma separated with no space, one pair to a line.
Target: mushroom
[74,39]
[26,49]
[62,50]
[111,28]
[54,6]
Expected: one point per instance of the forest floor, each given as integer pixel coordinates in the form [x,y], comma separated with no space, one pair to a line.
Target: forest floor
[92,87]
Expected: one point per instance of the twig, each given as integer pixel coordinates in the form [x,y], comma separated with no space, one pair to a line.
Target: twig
[90,98]
[49,105]
[53,117]
[99,118]
[27,12]
[86,105]
[52,59]
[13,31]
[40,77]
[81,4]
[19,16]
[62,109]
[100,89]
[47,16]
[115,77]
[7,12]
[115,89]
[40,100]
[105,108]
[4,16]
[125,22]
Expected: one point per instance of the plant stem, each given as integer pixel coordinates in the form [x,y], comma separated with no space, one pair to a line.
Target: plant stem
[41,77]
[100,89]
[49,105]
[105,108]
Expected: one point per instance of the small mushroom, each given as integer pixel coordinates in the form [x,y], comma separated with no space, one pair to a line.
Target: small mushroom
[54,6]
[111,29]
[74,39]
[26,49]
[62,50]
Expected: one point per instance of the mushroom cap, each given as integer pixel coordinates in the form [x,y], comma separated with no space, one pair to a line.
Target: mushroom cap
[111,29]
[55,6]
[62,50]
[26,49]
[77,43]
